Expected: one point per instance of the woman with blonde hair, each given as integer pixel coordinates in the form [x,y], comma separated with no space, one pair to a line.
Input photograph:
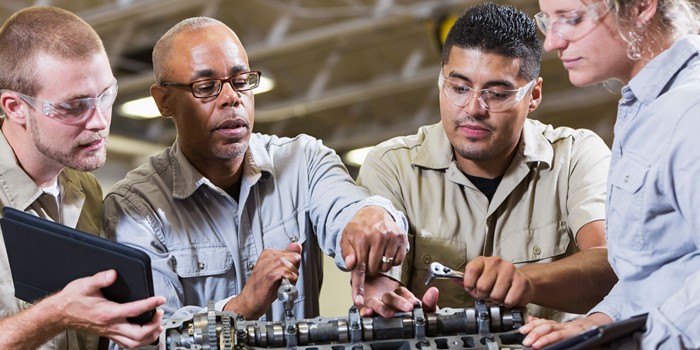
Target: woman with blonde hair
[653,203]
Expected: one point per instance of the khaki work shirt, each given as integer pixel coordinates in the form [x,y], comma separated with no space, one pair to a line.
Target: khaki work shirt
[81,197]
[555,184]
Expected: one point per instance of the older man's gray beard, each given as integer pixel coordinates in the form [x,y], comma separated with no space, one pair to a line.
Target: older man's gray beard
[69,155]
[231,152]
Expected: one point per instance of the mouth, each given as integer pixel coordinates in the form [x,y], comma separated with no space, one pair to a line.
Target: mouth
[94,144]
[474,131]
[232,127]
[570,62]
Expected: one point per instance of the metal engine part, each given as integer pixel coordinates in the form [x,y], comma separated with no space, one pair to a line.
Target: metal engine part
[479,327]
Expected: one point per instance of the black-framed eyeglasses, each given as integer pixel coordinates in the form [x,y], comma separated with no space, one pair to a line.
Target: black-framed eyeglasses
[204,88]
[73,111]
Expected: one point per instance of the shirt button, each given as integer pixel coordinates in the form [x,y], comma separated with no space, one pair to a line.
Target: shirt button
[427,259]
[294,239]
[26,305]
[627,178]
[537,250]
[251,265]
[201,266]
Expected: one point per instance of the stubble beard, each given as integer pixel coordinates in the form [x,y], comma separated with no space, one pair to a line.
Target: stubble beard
[71,158]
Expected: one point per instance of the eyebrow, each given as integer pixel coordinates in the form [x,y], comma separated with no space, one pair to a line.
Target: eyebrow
[209,73]
[498,82]
[81,96]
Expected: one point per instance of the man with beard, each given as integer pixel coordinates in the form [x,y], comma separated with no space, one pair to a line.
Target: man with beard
[57,91]
[515,204]
[226,214]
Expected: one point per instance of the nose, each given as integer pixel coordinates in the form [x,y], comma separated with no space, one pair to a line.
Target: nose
[228,96]
[553,41]
[475,105]
[98,120]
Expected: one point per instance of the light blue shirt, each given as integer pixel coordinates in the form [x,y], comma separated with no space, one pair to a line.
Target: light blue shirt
[204,244]
[653,211]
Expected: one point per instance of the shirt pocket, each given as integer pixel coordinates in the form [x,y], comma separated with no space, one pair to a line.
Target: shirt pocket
[448,252]
[625,205]
[537,244]
[201,261]
[279,234]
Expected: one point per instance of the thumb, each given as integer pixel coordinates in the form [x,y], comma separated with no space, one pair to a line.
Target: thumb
[295,247]
[348,253]
[430,299]
[104,278]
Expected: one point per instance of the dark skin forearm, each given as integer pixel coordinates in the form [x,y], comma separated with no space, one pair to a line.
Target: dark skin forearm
[578,282]
[574,284]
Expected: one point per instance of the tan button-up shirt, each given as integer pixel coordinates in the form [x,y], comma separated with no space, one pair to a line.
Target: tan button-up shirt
[555,184]
[81,197]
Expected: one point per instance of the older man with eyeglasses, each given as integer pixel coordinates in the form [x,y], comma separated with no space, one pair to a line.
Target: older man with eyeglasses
[515,204]
[226,214]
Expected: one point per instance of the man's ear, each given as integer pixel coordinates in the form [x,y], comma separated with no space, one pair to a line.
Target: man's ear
[536,95]
[12,105]
[160,96]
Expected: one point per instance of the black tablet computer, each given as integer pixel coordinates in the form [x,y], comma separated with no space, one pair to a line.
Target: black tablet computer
[45,256]
[599,337]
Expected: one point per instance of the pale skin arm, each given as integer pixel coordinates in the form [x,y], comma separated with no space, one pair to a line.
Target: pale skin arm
[80,305]
[541,332]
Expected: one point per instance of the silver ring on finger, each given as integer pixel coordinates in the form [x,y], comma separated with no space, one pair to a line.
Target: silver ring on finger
[387,260]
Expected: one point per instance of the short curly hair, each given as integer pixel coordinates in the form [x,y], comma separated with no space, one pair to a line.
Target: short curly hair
[498,29]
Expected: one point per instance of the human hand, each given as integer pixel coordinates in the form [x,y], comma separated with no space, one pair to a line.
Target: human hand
[261,288]
[494,279]
[385,296]
[541,332]
[82,306]
[371,242]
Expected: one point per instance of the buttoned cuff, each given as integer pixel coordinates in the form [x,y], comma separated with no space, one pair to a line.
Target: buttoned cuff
[219,305]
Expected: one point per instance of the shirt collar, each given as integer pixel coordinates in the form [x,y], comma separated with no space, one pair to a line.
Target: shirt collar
[21,190]
[436,151]
[662,69]
[186,179]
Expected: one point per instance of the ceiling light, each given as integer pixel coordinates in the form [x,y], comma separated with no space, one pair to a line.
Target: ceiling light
[356,156]
[145,108]
[266,84]
[142,108]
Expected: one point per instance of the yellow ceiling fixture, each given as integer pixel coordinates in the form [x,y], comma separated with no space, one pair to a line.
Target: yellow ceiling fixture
[440,27]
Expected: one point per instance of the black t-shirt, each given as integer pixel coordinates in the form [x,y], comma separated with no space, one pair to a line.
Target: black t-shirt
[486,186]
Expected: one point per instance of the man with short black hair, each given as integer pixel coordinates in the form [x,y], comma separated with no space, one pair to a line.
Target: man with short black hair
[515,204]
